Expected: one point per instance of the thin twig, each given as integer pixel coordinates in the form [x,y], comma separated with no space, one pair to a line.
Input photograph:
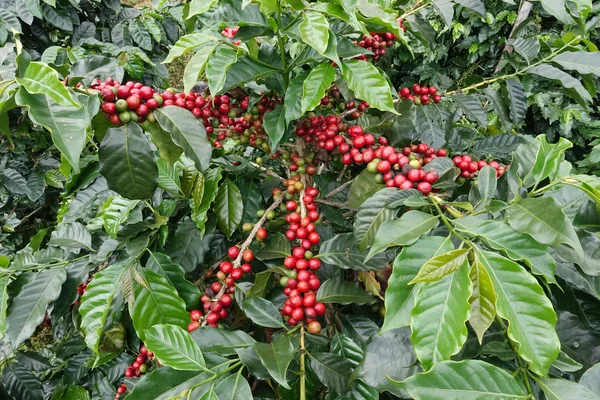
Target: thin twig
[266,171]
[339,189]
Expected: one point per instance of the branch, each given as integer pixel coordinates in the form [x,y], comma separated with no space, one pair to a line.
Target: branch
[339,189]
[524,10]
[266,171]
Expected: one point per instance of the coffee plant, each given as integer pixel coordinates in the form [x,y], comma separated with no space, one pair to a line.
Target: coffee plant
[335,205]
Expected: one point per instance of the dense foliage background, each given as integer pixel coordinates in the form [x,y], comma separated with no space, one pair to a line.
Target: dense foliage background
[292,221]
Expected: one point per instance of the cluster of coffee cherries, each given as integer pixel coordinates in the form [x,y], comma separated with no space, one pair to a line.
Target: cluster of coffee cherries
[377,44]
[230,33]
[401,22]
[404,169]
[46,323]
[333,101]
[81,289]
[127,102]
[469,168]
[136,369]
[301,283]
[421,95]
[217,297]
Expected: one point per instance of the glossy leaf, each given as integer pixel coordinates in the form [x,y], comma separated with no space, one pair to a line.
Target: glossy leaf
[187,132]
[21,383]
[229,207]
[387,357]
[158,303]
[439,316]
[293,96]
[262,312]
[175,276]
[234,387]
[483,300]
[128,163]
[39,78]
[4,281]
[221,341]
[211,183]
[336,290]
[276,357]
[67,124]
[440,266]
[275,126]
[464,380]
[581,61]
[115,212]
[315,86]
[403,231]
[97,301]
[333,370]
[544,219]
[362,188]
[522,302]
[72,236]
[517,100]
[471,106]
[174,347]
[216,69]
[164,383]
[574,88]
[562,389]
[314,30]
[341,252]
[399,297]
[28,308]
[371,215]
[367,83]
[195,67]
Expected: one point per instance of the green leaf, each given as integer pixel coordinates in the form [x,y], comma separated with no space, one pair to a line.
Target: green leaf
[340,251]
[316,85]
[229,207]
[471,106]
[39,78]
[187,132]
[517,100]
[439,316]
[276,357]
[544,219]
[199,7]
[216,69]
[517,246]
[187,247]
[97,301]
[476,5]
[234,387]
[195,67]
[486,184]
[158,303]
[562,389]
[500,108]
[557,9]
[403,231]
[293,96]
[4,281]
[175,276]
[262,312]
[165,383]
[523,303]
[387,357]
[128,162]
[277,247]
[547,160]
[333,370]
[220,341]
[580,61]
[140,34]
[338,290]
[21,383]
[342,345]
[314,30]
[72,236]
[57,16]
[464,380]
[399,296]
[400,197]
[28,308]
[445,8]
[367,83]
[362,188]
[115,213]
[174,348]
[211,182]
[275,126]
[483,300]
[440,266]
[590,379]
[187,43]
[574,88]
[371,215]
[67,125]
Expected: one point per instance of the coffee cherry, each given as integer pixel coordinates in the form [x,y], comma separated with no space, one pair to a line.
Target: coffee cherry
[195,315]
[314,327]
[233,252]
[248,255]
[424,187]
[192,326]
